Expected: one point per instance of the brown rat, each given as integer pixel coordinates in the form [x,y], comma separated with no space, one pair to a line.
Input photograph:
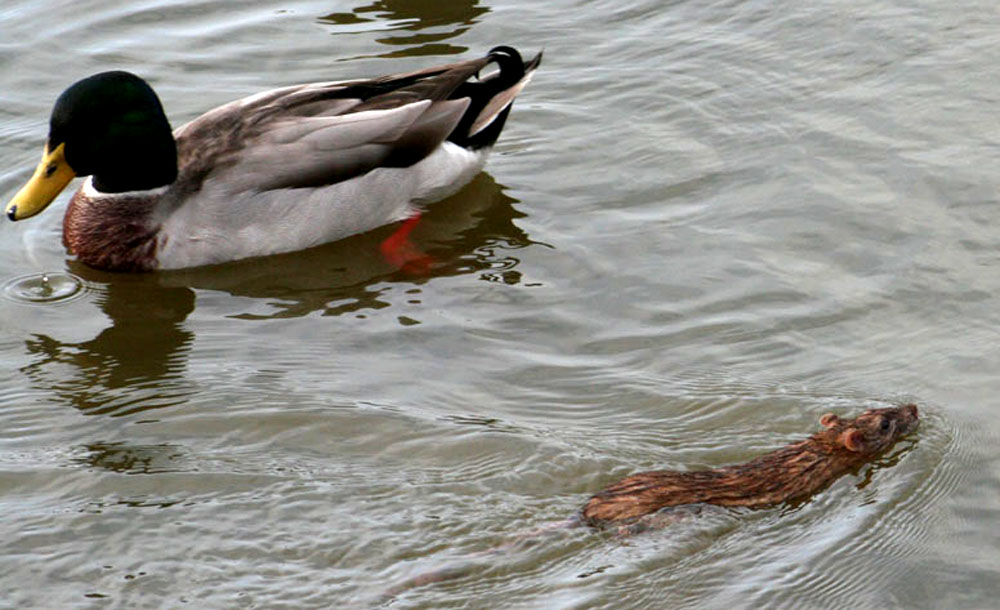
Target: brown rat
[792,472]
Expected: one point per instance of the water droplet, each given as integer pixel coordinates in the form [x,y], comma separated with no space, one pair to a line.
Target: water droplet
[44,288]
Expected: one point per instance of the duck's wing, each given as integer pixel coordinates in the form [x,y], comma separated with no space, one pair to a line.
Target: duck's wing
[324,133]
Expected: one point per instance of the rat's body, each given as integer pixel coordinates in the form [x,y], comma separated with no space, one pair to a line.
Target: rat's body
[792,472]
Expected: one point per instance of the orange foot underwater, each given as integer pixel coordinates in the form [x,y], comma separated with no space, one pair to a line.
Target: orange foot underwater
[400,252]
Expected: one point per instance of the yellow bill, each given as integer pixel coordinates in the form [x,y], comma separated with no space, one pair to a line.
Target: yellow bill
[51,177]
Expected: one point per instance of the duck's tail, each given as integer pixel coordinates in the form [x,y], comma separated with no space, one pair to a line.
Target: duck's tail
[491,97]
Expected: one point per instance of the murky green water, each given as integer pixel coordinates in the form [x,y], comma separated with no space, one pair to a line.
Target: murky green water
[705,225]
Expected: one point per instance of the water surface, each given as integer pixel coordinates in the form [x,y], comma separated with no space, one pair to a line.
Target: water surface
[705,225]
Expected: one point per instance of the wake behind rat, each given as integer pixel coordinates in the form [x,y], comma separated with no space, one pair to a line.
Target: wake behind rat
[791,473]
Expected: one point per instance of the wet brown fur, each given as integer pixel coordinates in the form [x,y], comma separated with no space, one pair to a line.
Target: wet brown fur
[789,473]
[792,472]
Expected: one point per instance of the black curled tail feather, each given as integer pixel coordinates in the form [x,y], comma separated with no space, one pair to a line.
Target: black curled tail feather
[482,123]
[508,58]
[507,51]
[510,63]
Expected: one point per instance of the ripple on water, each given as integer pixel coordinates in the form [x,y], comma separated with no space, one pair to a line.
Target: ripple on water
[44,288]
[846,543]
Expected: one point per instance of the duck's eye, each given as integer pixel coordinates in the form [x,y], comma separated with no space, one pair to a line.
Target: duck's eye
[885,424]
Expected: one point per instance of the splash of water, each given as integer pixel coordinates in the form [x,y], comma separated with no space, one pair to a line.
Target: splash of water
[43,288]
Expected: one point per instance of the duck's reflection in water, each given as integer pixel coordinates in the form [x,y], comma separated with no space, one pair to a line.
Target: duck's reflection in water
[128,458]
[470,232]
[139,362]
[131,365]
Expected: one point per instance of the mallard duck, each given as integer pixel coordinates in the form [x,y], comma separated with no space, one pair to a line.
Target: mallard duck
[279,171]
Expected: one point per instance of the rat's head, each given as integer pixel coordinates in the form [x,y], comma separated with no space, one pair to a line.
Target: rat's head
[873,431]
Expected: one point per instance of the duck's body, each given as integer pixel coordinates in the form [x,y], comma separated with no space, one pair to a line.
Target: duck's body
[276,172]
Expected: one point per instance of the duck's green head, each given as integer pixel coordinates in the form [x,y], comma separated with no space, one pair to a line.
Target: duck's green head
[110,125]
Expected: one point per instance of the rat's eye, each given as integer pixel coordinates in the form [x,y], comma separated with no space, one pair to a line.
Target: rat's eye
[885,424]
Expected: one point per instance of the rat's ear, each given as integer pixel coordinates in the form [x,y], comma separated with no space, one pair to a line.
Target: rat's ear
[853,439]
[829,420]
